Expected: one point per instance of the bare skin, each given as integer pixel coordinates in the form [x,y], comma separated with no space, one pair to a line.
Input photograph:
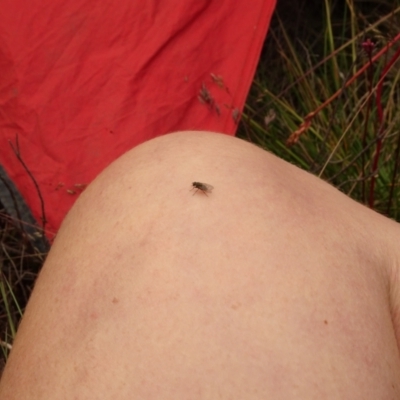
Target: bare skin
[272,286]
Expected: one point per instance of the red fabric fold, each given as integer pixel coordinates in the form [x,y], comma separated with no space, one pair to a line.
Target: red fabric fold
[83,81]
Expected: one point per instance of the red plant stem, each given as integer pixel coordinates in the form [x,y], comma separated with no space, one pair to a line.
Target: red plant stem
[294,137]
[380,136]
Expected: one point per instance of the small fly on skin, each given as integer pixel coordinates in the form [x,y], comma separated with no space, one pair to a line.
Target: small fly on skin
[203,187]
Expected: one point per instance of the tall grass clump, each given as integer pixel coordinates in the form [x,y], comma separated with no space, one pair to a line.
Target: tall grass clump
[19,265]
[326,96]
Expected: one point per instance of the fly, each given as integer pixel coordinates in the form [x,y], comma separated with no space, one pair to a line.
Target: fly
[203,187]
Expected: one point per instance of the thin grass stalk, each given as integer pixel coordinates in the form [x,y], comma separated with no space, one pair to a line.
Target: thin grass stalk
[295,136]
[380,136]
[331,44]
[6,305]
[396,166]
[368,47]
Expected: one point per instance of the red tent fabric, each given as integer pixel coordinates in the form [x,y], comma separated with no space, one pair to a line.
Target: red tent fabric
[83,81]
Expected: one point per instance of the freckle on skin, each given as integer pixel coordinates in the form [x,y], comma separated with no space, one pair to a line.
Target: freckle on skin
[325,322]
[93,315]
[115,300]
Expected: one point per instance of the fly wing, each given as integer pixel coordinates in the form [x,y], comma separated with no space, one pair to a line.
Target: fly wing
[205,187]
[208,187]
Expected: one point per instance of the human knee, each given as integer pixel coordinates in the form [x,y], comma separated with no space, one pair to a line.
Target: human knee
[159,172]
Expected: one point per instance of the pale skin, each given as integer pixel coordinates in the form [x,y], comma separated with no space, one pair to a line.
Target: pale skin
[273,286]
